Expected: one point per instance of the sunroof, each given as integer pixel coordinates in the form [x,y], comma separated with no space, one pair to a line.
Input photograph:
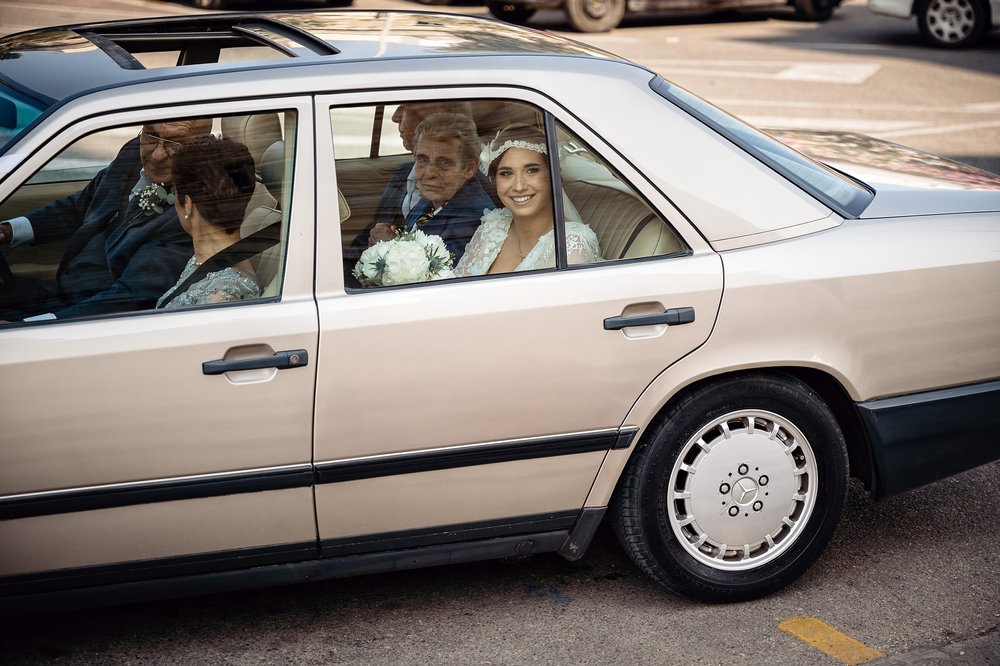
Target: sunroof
[219,39]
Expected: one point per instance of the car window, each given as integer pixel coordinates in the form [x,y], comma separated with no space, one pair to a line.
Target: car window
[444,190]
[84,159]
[17,110]
[625,225]
[151,217]
[367,132]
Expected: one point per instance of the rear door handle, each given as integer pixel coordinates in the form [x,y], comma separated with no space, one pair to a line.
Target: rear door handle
[282,360]
[671,317]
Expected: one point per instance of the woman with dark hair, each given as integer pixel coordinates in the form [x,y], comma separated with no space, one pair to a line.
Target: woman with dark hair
[521,235]
[214,180]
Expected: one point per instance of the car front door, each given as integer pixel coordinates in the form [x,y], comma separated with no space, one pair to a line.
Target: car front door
[153,443]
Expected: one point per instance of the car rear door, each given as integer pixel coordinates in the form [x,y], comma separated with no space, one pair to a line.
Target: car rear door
[466,409]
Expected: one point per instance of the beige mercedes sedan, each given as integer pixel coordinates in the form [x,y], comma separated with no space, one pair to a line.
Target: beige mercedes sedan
[294,296]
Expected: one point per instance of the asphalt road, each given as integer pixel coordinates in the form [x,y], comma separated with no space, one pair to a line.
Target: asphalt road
[915,577]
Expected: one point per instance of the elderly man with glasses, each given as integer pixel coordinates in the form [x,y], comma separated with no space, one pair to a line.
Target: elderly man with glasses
[125,244]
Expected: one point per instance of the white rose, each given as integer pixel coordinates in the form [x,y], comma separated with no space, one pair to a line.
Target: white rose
[434,245]
[370,258]
[406,262]
[443,274]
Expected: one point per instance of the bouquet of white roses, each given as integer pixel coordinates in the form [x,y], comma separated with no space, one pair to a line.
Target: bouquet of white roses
[410,257]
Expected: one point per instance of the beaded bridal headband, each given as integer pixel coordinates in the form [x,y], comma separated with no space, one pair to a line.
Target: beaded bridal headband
[489,153]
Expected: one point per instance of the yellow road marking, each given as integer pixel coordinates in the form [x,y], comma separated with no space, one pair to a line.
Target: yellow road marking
[826,639]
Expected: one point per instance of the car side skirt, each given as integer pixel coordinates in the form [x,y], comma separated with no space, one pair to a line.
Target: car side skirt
[923,437]
[296,563]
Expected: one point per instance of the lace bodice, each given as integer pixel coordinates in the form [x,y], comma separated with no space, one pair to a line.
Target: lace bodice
[581,246]
[229,284]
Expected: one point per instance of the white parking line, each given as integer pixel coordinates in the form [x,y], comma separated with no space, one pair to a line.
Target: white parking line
[941,129]
[884,129]
[829,73]
[984,107]
[731,102]
[863,125]
[786,70]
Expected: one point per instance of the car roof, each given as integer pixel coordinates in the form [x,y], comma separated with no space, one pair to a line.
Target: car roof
[57,63]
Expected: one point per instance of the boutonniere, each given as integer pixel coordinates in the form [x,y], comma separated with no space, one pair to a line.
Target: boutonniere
[154,199]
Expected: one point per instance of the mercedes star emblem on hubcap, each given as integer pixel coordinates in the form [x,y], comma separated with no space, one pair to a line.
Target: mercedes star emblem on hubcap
[744,491]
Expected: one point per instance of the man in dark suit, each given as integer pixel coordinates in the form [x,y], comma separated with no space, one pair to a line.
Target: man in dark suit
[446,160]
[401,194]
[122,253]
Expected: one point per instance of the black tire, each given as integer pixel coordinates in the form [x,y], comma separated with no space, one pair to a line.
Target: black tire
[815,10]
[511,12]
[717,510]
[595,15]
[952,24]
[339,3]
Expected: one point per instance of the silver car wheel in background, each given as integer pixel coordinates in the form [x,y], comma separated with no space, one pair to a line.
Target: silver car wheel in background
[951,20]
[951,23]
[595,15]
[742,489]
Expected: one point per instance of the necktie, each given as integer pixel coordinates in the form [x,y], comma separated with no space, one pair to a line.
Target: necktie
[416,221]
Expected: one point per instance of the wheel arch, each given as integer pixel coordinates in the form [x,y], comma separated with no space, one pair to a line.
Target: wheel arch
[829,388]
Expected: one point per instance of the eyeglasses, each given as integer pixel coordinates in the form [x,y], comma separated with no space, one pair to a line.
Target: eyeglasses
[152,141]
[442,165]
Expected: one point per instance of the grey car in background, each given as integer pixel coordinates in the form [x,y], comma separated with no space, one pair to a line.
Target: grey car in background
[945,23]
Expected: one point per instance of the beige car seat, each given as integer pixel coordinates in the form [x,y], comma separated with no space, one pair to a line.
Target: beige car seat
[626,227]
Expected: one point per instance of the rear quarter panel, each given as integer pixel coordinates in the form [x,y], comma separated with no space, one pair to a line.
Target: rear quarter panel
[886,307]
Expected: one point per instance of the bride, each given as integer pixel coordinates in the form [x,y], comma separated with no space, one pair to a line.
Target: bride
[519,236]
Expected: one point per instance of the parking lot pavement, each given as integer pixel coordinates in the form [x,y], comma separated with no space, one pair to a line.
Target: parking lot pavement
[981,649]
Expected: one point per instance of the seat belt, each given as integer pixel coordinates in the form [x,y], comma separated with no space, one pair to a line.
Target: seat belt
[254,244]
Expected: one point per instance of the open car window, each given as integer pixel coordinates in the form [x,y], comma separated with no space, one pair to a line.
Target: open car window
[454,189]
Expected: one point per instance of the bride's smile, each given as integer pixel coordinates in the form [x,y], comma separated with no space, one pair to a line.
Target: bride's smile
[523,184]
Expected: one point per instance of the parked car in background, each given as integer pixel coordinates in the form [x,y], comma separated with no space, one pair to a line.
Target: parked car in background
[945,23]
[755,326]
[248,4]
[604,15]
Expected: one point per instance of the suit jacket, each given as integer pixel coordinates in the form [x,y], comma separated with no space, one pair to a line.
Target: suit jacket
[115,261]
[390,211]
[459,218]
[390,206]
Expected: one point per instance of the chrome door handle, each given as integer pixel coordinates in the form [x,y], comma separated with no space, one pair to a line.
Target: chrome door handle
[671,317]
[282,360]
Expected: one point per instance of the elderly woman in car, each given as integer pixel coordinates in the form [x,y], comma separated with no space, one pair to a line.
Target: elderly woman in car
[215,180]
[446,156]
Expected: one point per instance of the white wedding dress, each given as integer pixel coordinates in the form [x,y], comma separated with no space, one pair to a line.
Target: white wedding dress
[581,246]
